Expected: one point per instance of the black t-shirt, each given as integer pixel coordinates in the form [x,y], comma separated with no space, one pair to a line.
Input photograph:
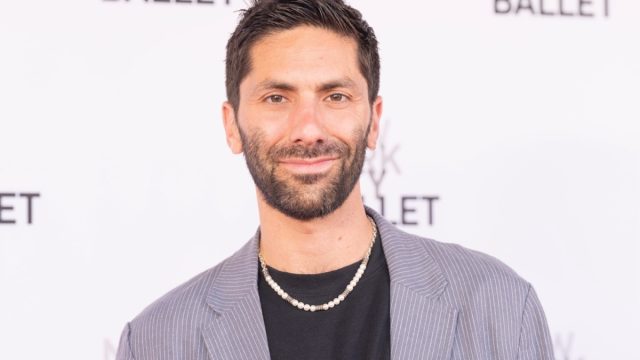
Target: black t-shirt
[357,328]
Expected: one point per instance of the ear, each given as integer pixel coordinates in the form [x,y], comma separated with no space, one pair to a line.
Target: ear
[374,131]
[231,128]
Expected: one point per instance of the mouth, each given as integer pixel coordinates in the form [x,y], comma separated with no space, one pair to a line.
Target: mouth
[309,165]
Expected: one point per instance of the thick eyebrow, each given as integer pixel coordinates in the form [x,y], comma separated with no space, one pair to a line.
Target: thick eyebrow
[274,85]
[281,85]
[340,83]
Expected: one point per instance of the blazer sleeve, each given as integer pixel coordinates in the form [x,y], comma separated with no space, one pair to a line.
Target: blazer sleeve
[124,348]
[535,340]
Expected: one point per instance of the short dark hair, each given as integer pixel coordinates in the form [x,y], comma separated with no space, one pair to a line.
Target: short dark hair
[266,17]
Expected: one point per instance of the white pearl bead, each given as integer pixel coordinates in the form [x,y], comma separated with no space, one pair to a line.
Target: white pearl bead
[354,281]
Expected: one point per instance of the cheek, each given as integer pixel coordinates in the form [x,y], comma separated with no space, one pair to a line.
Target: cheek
[262,127]
[270,123]
[346,123]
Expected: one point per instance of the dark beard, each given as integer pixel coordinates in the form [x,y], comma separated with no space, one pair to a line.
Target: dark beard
[291,195]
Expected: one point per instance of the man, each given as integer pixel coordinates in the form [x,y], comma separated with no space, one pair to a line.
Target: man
[325,277]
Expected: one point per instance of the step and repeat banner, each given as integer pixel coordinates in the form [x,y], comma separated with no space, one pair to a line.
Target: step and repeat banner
[510,127]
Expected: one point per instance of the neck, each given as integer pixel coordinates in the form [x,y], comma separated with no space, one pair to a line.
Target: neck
[318,245]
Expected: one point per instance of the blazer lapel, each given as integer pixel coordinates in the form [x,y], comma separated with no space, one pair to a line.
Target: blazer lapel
[237,331]
[422,325]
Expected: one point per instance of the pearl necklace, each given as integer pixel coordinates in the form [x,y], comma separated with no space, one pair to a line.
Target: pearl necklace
[338,299]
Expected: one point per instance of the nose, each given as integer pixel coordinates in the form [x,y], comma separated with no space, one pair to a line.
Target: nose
[306,127]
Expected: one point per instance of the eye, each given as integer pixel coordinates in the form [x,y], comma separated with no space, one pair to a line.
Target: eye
[337,97]
[275,99]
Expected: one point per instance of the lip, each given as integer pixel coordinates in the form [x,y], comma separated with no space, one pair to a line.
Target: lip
[309,166]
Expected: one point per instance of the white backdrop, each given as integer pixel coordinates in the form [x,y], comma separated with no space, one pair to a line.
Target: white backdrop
[511,133]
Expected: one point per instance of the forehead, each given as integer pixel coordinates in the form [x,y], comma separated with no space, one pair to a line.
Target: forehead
[304,54]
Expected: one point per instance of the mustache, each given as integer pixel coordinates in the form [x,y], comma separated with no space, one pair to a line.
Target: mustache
[307,152]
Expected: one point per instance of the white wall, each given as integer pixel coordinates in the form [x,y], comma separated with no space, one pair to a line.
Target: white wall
[524,126]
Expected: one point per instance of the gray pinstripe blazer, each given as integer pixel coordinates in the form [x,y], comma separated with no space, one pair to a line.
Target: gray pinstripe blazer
[447,302]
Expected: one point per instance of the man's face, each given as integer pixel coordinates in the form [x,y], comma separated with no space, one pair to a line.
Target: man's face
[304,120]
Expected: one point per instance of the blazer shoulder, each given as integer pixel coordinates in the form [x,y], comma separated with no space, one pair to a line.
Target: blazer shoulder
[470,272]
[185,300]
[176,315]
[490,295]
[173,323]
[189,295]
[193,294]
